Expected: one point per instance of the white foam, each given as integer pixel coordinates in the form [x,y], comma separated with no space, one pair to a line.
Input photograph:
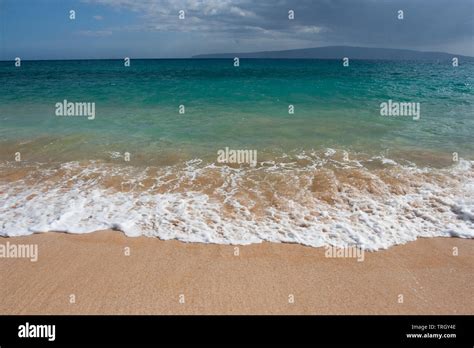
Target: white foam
[80,204]
[329,152]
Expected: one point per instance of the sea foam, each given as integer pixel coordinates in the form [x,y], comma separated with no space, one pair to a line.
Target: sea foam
[283,202]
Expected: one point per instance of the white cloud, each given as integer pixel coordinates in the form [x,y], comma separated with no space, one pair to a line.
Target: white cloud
[201,15]
[312,29]
[330,22]
[95,33]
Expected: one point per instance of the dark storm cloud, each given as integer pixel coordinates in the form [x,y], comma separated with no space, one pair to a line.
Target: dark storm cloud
[371,22]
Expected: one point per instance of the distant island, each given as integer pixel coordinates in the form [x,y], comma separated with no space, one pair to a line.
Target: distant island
[339,52]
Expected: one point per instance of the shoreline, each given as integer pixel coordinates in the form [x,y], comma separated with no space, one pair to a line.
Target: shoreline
[263,279]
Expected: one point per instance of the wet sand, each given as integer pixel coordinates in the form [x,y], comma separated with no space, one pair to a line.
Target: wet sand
[262,279]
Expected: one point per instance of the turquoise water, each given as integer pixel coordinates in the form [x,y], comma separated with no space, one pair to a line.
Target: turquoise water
[239,107]
[398,182]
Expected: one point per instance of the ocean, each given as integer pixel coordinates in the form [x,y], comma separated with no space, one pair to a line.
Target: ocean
[156,158]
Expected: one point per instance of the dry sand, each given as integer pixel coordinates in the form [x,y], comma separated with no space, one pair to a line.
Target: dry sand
[213,280]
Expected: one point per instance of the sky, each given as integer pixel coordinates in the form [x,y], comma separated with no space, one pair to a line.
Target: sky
[42,29]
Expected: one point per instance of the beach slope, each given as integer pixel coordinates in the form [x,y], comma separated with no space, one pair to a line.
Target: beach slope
[108,273]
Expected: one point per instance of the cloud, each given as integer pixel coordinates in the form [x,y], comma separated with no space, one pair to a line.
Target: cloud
[312,29]
[95,33]
[243,17]
[427,23]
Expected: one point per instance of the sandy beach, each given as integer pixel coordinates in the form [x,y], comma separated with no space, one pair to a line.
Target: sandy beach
[270,278]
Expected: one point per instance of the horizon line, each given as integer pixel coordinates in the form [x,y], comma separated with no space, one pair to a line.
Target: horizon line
[202,56]
[226,58]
